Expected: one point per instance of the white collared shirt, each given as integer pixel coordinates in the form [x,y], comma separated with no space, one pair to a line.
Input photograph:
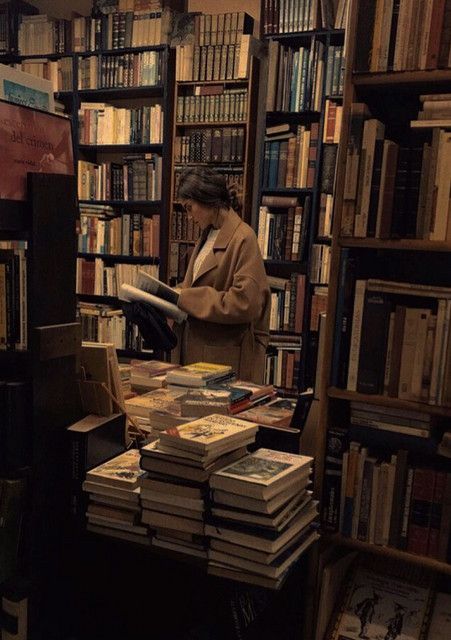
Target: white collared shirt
[205,250]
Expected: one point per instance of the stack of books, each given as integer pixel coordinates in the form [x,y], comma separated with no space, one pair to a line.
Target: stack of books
[276,413]
[158,409]
[181,462]
[262,517]
[113,507]
[199,374]
[150,374]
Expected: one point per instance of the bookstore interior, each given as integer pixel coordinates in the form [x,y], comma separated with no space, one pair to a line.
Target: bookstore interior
[225,320]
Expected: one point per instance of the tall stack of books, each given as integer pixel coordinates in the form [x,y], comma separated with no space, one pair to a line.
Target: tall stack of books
[184,457]
[262,517]
[113,507]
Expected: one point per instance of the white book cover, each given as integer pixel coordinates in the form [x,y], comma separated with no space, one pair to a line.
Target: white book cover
[208,433]
[264,467]
[123,470]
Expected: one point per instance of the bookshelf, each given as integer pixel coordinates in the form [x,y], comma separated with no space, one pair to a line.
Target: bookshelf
[215,101]
[47,368]
[401,255]
[133,216]
[304,63]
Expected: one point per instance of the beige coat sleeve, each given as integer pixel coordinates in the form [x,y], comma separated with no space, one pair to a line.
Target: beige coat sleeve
[242,302]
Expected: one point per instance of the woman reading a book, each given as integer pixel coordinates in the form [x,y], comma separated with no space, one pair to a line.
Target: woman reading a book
[225,291]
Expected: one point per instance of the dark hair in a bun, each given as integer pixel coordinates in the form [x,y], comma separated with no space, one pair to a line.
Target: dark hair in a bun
[207,187]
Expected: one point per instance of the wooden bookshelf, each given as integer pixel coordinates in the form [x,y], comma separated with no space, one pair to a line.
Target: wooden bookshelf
[376,89]
[325,39]
[243,168]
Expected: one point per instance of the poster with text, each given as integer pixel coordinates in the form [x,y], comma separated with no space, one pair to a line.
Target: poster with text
[31,141]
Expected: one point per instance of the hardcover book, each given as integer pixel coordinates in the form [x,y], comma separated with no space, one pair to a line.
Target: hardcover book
[262,474]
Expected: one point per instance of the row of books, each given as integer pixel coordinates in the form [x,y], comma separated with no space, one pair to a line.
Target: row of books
[101,123]
[183,227]
[389,500]
[334,70]
[94,277]
[41,34]
[179,255]
[282,366]
[13,298]
[396,348]
[295,77]
[319,264]
[221,144]
[233,176]
[126,70]
[129,234]
[287,303]
[137,178]
[101,323]
[401,36]
[290,157]
[59,72]
[212,104]
[219,62]
[282,228]
[221,28]
[290,16]
[395,190]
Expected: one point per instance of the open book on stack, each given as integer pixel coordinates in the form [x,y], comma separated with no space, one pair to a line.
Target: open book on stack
[152,291]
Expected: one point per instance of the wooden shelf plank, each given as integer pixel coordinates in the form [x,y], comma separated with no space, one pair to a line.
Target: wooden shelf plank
[404,244]
[213,123]
[188,83]
[124,203]
[113,148]
[390,552]
[385,401]
[120,258]
[402,77]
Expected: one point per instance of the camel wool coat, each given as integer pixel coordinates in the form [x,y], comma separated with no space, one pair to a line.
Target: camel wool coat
[228,304]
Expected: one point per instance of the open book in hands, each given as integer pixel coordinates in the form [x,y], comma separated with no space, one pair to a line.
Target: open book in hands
[154,292]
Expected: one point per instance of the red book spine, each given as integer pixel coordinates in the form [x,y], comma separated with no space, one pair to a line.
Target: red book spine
[312,154]
[420,511]
[436,514]
[438,12]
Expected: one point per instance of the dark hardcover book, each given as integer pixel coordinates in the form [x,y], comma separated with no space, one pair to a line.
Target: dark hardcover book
[421,510]
[343,322]
[337,442]
[436,514]
[328,168]
[12,506]
[282,163]
[445,38]
[92,441]
[365,499]
[413,192]
[393,31]
[304,229]
[15,425]
[396,353]
[365,26]
[373,345]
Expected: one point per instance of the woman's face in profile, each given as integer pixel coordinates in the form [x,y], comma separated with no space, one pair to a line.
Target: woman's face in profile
[200,213]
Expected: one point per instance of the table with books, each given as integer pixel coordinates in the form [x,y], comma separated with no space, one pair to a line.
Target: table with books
[199,487]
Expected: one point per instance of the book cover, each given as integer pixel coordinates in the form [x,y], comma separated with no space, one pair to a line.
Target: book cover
[122,471]
[208,433]
[262,474]
[278,412]
[382,606]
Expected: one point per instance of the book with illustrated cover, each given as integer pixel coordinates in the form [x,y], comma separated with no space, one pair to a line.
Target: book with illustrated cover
[262,474]
[161,400]
[121,471]
[209,433]
[205,401]
[276,413]
[378,605]
[142,372]
[198,374]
